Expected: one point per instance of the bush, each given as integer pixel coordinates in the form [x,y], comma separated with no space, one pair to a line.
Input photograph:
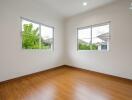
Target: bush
[84,46]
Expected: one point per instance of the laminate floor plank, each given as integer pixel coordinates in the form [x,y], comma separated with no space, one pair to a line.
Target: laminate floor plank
[66,83]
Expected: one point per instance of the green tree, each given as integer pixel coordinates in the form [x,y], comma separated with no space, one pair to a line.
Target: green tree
[30,37]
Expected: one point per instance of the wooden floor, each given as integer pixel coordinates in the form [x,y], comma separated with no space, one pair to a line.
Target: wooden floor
[66,83]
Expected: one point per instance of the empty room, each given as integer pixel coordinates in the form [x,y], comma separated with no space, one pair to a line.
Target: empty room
[65,50]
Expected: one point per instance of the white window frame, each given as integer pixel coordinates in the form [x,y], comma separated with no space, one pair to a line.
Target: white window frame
[91,26]
[40,24]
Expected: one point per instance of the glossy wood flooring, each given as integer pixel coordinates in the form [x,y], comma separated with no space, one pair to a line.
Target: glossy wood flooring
[66,83]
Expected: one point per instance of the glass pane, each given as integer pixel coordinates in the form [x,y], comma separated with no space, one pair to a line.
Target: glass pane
[84,33]
[30,35]
[100,37]
[46,37]
[84,39]
[99,30]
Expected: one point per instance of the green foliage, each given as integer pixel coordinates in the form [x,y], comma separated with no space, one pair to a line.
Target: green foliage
[94,47]
[84,46]
[45,45]
[31,38]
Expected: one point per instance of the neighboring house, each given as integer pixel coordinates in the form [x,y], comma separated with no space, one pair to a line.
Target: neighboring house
[48,41]
[105,44]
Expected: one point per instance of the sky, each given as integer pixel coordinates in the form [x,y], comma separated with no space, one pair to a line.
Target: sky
[46,32]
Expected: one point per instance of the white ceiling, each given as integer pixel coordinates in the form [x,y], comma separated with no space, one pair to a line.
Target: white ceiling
[69,8]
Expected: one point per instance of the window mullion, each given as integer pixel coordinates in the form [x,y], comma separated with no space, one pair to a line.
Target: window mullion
[91,38]
[40,37]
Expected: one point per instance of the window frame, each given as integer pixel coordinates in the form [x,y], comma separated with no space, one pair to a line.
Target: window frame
[40,24]
[91,27]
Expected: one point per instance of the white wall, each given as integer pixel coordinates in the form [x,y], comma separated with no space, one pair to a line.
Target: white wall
[14,61]
[118,61]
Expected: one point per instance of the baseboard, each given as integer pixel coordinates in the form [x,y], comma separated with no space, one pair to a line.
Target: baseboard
[129,81]
[102,74]
[22,77]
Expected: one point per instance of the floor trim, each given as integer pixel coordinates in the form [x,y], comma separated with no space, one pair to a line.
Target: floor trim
[129,81]
[102,74]
[22,77]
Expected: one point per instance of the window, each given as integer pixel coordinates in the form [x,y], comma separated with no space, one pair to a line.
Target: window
[36,35]
[94,37]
